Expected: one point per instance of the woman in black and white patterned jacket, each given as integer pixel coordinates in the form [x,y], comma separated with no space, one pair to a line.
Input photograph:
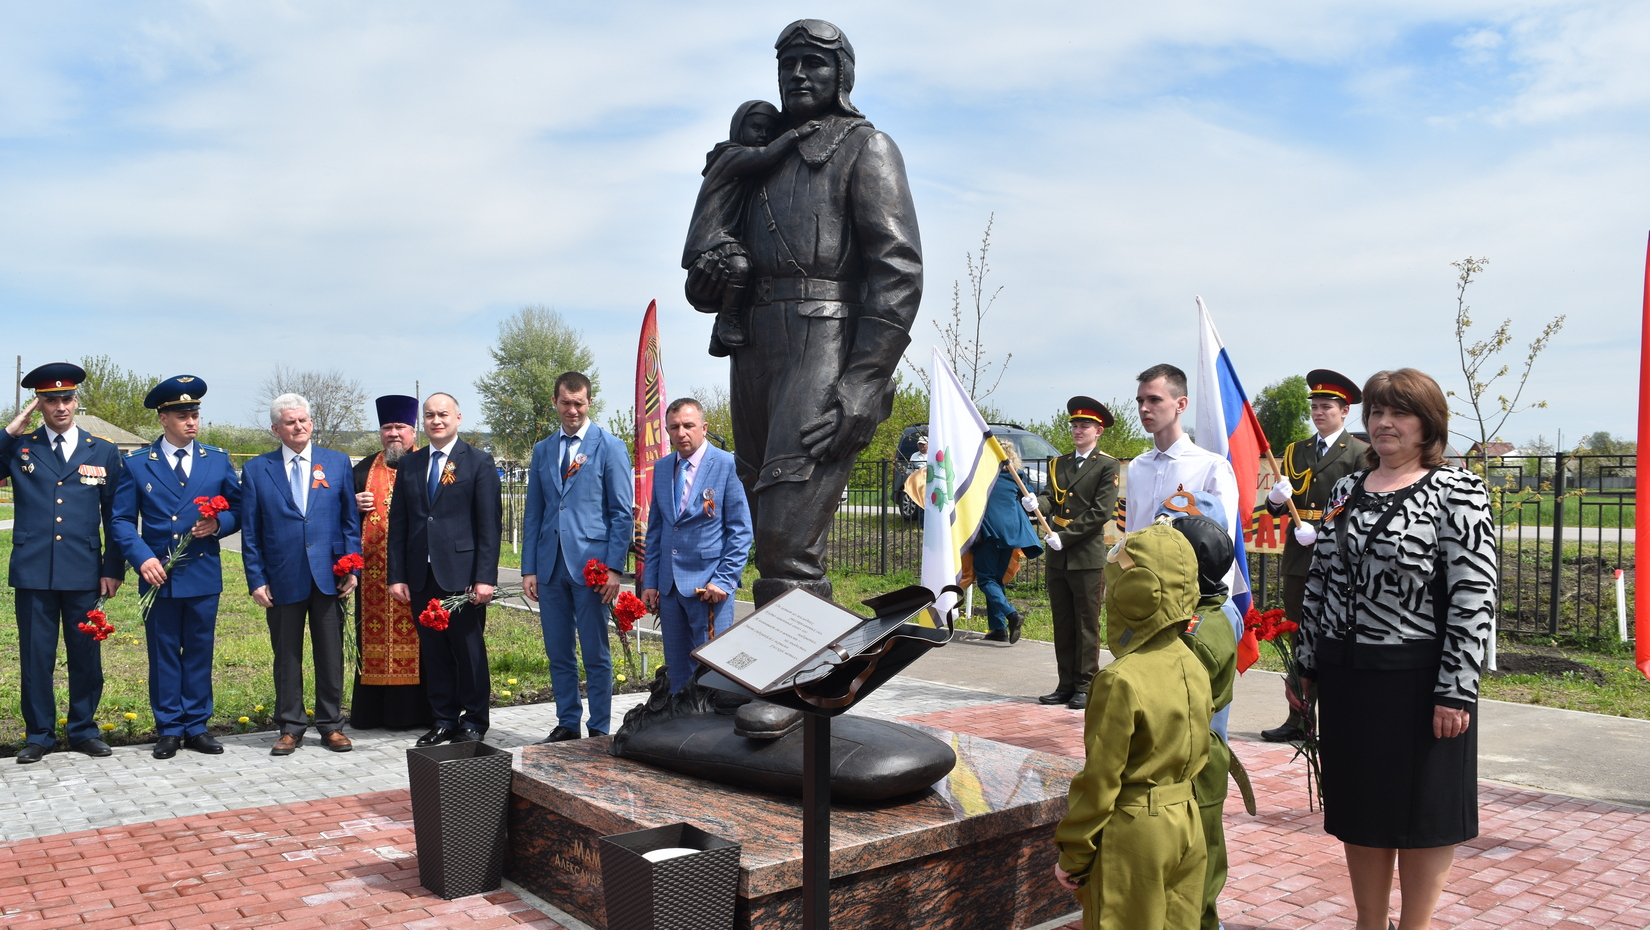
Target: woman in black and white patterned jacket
[1398,612]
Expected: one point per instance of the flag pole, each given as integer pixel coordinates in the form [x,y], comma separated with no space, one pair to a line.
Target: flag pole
[1641,499]
[1270,460]
[1036,513]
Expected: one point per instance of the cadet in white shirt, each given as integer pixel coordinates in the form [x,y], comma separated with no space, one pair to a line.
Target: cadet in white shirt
[1174,463]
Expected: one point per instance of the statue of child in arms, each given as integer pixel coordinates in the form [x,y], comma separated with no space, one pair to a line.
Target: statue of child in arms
[753,148]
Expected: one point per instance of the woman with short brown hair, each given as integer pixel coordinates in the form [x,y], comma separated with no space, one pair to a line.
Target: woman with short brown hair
[1398,611]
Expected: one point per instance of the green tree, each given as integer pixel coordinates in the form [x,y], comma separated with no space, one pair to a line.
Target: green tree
[1283,409]
[115,395]
[535,345]
[336,402]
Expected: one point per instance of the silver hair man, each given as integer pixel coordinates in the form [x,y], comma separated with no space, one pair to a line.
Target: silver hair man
[285,402]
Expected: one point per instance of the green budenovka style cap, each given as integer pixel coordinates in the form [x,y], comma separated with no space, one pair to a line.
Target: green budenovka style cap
[1151,584]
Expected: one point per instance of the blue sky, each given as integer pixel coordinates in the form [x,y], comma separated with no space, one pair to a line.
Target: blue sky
[217,187]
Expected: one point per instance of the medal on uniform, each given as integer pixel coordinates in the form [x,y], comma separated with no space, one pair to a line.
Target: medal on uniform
[710,502]
[23,454]
[148,489]
[320,479]
[93,474]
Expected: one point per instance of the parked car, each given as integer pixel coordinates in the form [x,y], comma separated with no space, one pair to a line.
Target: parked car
[1034,451]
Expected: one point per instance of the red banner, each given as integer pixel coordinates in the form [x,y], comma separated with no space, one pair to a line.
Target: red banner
[651,442]
[1641,508]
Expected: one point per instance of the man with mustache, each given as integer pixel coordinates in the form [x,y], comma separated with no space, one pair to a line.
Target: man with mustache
[388,689]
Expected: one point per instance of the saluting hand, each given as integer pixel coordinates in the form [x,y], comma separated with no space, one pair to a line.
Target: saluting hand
[21,421]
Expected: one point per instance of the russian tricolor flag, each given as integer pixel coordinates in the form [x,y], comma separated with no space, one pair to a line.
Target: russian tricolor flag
[1226,425]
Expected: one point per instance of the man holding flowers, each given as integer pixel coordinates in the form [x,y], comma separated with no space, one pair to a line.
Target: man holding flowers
[176,555]
[299,523]
[446,520]
[63,556]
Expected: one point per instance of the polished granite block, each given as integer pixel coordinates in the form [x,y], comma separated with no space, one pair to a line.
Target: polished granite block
[976,850]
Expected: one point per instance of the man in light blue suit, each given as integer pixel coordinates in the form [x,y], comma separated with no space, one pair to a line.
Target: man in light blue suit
[159,485]
[698,540]
[298,518]
[579,495]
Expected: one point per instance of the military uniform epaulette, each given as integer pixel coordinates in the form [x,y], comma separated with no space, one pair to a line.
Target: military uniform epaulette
[139,451]
[212,448]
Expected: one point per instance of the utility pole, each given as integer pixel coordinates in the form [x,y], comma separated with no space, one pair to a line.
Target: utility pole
[418,427]
[18,393]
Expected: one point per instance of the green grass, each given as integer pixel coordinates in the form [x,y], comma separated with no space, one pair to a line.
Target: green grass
[1625,692]
[242,678]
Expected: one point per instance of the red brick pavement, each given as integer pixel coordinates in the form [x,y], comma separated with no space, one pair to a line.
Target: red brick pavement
[1540,860]
[342,864]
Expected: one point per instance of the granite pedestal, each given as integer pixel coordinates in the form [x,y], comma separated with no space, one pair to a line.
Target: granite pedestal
[976,851]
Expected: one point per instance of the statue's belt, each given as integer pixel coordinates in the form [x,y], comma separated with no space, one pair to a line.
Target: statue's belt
[772,290]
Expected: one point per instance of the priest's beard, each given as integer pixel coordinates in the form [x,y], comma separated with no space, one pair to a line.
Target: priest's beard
[392,454]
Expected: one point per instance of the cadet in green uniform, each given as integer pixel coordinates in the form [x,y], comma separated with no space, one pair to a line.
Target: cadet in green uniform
[1310,469]
[1132,837]
[1212,636]
[1078,500]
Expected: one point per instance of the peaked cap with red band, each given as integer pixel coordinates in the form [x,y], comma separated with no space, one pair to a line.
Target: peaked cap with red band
[1087,408]
[55,378]
[1321,382]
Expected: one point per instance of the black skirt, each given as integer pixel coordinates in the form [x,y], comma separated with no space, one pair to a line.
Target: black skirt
[1388,782]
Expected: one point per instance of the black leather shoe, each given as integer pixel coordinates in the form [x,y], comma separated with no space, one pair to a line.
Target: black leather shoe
[1015,621]
[761,720]
[1058,697]
[595,733]
[167,746]
[203,742]
[1288,733]
[1079,701]
[31,752]
[93,747]
[465,736]
[435,736]
[996,636]
[560,735]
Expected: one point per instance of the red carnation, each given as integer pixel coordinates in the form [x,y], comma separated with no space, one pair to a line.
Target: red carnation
[97,616]
[434,616]
[627,610]
[210,507]
[348,564]
[595,573]
[97,625]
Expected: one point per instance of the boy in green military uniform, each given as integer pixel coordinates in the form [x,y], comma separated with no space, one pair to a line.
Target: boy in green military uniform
[1310,469]
[1212,636]
[1132,844]
[1079,501]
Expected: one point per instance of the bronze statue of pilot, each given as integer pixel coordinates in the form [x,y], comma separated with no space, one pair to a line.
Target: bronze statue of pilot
[819,254]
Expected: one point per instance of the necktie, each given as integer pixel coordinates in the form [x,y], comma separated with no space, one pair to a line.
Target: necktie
[686,481]
[298,482]
[183,476]
[435,474]
[58,444]
[1322,447]
[566,447]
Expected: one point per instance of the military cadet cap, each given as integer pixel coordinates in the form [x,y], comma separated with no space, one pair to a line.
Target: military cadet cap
[1087,408]
[179,393]
[55,378]
[397,408]
[1321,382]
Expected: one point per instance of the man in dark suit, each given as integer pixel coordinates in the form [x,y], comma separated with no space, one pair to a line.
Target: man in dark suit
[445,524]
[63,492]
[1310,469]
[159,485]
[579,494]
[1080,500]
[298,519]
[698,540]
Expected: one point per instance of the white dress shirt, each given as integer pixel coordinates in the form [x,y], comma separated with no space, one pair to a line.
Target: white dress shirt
[169,454]
[1330,440]
[572,445]
[1157,473]
[70,437]
[306,467]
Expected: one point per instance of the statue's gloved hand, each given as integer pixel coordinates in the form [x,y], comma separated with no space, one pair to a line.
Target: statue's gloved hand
[848,426]
[706,280]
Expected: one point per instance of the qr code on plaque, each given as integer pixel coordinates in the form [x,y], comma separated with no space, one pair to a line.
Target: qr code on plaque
[742,661]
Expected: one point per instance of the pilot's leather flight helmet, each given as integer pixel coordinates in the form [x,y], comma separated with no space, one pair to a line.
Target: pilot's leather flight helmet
[1202,520]
[1151,585]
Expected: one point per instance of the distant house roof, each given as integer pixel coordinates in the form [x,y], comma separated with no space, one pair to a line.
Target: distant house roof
[103,429]
[1494,448]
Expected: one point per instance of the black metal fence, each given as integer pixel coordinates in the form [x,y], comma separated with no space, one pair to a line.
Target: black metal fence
[1585,502]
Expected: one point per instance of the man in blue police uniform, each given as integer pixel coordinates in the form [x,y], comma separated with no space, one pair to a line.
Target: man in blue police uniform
[160,484]
[63,490]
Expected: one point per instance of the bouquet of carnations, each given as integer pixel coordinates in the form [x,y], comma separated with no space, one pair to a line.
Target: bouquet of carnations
[1270,627]
[209,508]
[438,613]
[97,624]
[626,610]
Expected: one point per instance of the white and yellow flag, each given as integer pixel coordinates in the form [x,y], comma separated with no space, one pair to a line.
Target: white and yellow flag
[963,460]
